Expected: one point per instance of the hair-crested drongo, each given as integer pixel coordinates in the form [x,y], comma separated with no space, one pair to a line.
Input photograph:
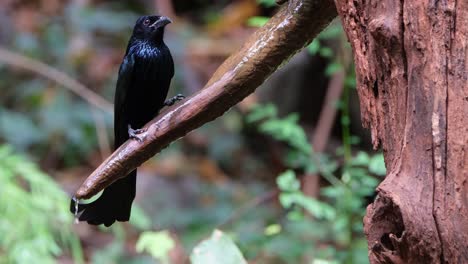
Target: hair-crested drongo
[143,82]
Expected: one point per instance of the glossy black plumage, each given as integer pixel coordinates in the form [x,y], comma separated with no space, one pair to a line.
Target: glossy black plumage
[144,78]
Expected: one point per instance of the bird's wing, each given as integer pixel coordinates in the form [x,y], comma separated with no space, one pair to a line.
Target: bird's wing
[124,82]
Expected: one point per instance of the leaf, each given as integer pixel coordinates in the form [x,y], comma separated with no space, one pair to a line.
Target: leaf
[315,207]
[267,3]
[333,68]
[324,261]
[272,230]
[295,215]
[314,47]
[260,112]
[257,21]
[350,81]
[219,248]
[287,181]
[32,202]
[139,219]
[377,165]
[345,120]
[361,159]
[157,244]
[331,191]
[333,31]
[326,52]
[287,130]
[286,200]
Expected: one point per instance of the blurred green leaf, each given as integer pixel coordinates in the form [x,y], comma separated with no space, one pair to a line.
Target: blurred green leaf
[287,181]
[333,31]
[377,165]
[350,81]
[260,112]
[219,248]
[314,47]
[361,159]
[326,52]
[333,68]
[257,21]
[32,204]
[287,130]
[324,261]
[267,3]
[157,244]
[345,120]
[139,219]
[316,208]
[272,230]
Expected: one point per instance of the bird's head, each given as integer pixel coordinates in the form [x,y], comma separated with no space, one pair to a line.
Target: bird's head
[150,28]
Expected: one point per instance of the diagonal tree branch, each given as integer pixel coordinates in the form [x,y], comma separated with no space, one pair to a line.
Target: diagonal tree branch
[18,60]
[294,26]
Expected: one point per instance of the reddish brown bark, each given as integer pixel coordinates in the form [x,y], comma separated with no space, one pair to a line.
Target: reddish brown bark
[411,66]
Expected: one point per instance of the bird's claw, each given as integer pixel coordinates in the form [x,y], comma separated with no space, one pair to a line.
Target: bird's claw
[174,99]
[135,133]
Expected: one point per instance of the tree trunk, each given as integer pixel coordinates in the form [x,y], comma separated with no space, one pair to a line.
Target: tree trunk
[411,67]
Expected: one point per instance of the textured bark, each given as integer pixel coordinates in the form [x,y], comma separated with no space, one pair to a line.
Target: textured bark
[411,66]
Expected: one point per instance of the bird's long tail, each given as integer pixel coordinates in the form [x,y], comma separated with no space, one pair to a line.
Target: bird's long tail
[115,203]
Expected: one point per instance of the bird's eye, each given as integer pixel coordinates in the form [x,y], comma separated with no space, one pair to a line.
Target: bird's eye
[146,22]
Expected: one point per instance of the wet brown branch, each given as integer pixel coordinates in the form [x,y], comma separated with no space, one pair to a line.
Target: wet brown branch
[294,26]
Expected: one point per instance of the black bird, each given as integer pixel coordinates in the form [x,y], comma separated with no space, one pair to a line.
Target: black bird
[144,78]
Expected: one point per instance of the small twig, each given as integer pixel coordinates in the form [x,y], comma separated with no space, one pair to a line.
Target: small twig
[18,60]
[328,112]
[101,132]
[294,26]
[324,127]
[66,81]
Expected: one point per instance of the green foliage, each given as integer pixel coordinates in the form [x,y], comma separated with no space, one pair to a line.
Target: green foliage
[291,196]
[60,120]
[219,248]
[114,252]
[272,230]
[257,21]
[157,244]
[334,31]
[38,116]
[139,219]
[286,130]
[35,222]
[317,47]
[267,3]
[339,214]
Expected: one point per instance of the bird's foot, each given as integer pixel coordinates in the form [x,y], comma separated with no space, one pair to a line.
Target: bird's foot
[135,133]
[173,100]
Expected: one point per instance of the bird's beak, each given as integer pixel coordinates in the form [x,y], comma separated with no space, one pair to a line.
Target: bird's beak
[161,22]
